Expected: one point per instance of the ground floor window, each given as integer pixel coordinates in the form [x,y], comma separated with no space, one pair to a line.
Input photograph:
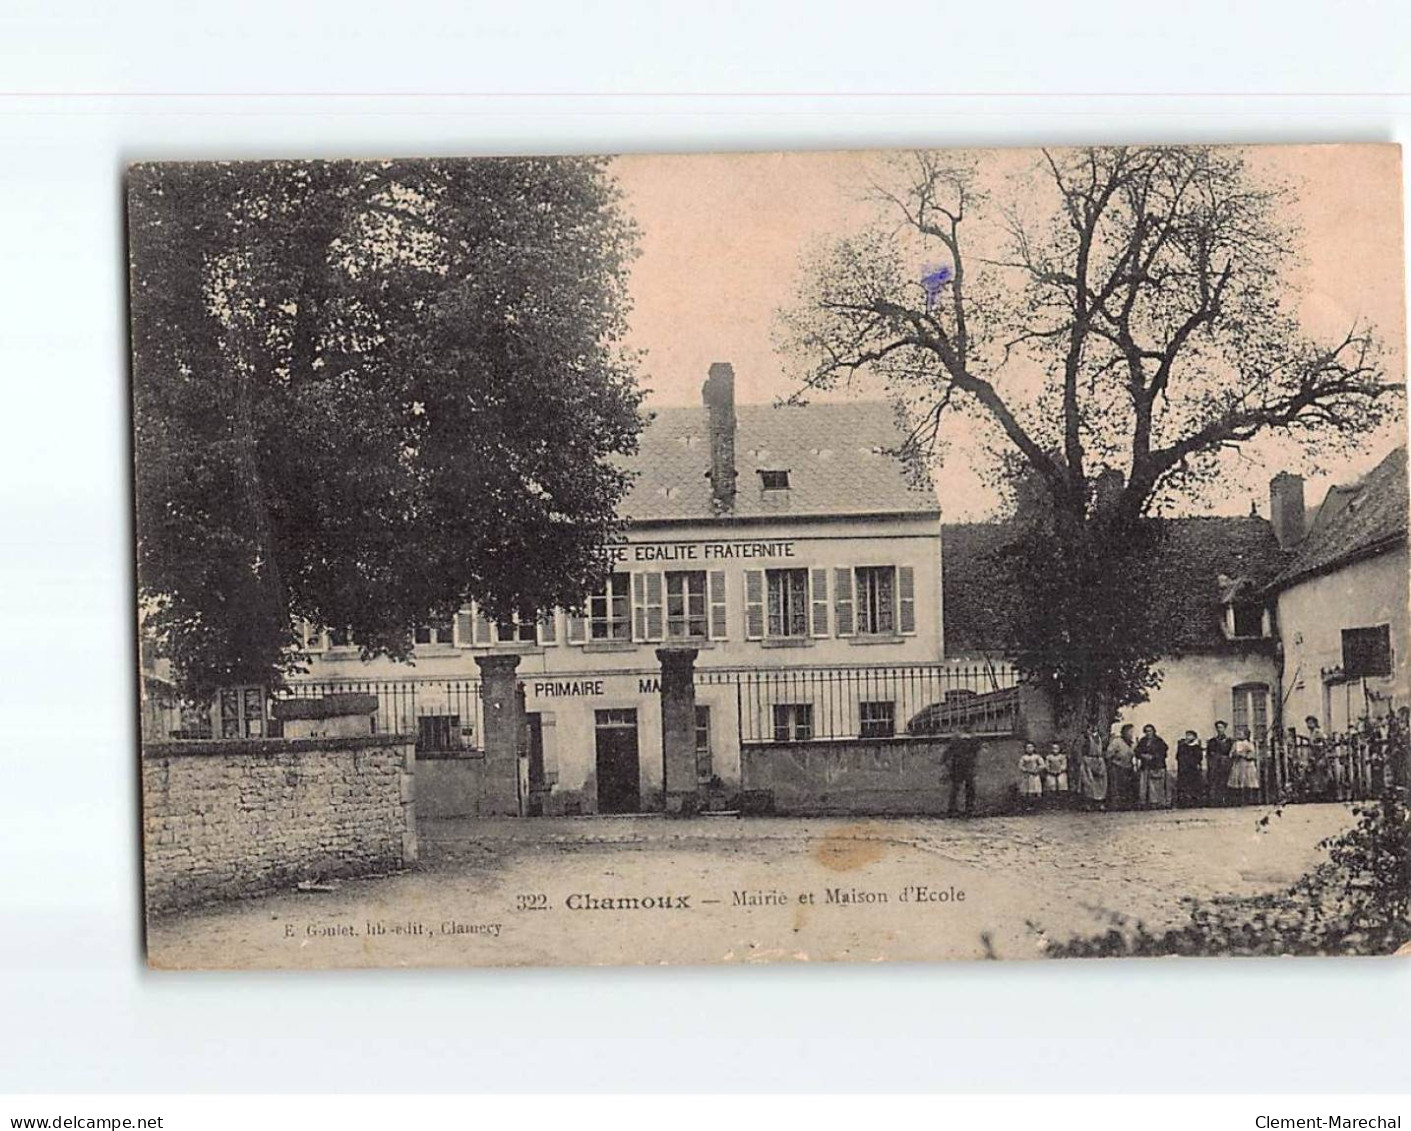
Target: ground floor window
[878,719]
[242,712]
[705,770]
[438,733]
[610,610]
[1250,708]
[793,722]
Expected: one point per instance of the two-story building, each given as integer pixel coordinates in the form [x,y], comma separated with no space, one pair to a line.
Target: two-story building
[1342,599]
[790,545]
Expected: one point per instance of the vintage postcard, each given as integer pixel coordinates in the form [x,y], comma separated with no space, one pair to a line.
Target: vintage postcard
[773,557]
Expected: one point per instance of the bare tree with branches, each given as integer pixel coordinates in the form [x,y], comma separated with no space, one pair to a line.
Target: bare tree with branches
[1118,324]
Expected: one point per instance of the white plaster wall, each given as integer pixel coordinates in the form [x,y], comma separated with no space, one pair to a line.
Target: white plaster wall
[1195,691]
[1312,616]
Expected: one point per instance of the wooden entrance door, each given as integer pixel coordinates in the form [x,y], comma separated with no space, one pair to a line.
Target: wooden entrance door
[619,776]
[538,787]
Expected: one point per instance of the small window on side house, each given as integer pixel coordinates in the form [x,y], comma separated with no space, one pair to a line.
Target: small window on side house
[774,480]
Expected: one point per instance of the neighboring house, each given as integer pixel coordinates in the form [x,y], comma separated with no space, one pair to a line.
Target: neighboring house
[773,539]
[1222,663]
[1342,599]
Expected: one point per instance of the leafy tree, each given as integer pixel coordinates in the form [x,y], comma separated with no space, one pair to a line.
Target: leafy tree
[365,392]
[1117,324]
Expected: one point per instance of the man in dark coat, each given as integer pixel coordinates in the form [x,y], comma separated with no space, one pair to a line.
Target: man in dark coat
[1217,764]
[964,753]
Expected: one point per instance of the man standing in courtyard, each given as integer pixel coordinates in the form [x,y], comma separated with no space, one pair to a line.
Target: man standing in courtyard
[1217,764]
[964,753]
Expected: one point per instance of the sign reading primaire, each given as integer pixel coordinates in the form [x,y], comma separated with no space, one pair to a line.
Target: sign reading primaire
[432,569]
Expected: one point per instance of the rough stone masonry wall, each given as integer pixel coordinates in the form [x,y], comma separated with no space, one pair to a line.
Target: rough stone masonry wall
[875,777]
[234,817]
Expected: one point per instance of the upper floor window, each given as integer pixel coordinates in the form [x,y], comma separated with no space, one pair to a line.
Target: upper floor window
[787,602]
[876,600]
[1366,651]
[610,610]
[439,633]
[774,480]
[686,603]
[521,630]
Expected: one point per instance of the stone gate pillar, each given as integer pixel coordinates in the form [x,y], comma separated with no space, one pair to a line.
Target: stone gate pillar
[678,728]
[503,720]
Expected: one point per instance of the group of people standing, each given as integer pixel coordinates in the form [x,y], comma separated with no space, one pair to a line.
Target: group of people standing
[1127,772]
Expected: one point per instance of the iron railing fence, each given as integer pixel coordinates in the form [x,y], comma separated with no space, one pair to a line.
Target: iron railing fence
[444,714]
[870,701]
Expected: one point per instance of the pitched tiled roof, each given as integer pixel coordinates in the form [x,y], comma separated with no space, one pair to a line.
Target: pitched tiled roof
[1195,553]
[1353,522]
[839,458]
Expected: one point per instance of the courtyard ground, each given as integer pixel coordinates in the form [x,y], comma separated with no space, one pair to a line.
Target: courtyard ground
[599,890]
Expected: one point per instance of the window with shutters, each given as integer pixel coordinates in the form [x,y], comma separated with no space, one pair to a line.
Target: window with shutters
[793,722]
[876,600]
[878,719]
[610,610]
[788,605]
[686,611]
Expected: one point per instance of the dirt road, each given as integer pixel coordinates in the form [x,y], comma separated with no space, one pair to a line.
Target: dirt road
[651,890]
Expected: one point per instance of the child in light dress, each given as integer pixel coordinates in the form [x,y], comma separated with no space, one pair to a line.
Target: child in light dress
[1056,775]
[1031,776]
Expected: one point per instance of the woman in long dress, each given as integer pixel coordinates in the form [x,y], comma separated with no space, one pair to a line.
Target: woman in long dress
[1092,773]
[1121,771]
[1244,769]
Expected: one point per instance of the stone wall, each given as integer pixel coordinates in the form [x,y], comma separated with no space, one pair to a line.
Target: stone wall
[875,776]
[234,817]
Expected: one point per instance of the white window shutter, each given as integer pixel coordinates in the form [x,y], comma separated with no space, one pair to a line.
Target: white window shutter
[655,613]
[465,628]
[906,600]
[639,607]
[754,604]
[719,625]
[577,629]
[842,601]
[819,597]
[548,629]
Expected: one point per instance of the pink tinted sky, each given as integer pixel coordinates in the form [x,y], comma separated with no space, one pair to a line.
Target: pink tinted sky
[722,237]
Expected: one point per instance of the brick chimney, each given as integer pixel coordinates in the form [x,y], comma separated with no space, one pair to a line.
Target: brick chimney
[1286,509]
[718,392]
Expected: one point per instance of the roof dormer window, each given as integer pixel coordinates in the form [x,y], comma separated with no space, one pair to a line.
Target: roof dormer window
[774,480]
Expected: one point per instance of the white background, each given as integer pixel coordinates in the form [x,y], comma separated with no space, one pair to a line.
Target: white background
[86,88]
